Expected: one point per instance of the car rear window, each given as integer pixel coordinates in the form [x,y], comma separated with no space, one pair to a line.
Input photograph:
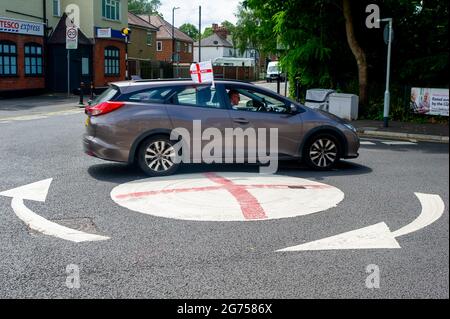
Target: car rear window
[155,95]
[107,95]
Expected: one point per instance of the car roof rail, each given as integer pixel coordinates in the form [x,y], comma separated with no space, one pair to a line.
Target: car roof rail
[162,80]
[187,79]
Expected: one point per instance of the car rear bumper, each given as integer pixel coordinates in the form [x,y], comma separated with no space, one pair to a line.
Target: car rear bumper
[97,148]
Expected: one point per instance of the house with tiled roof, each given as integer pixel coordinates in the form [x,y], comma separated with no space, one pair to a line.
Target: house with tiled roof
[142,45]
[184,53]
[219,45]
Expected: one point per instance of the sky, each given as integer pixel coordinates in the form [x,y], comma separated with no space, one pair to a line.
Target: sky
[213,11]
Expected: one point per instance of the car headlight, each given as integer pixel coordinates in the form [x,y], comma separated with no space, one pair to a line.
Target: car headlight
[350,127]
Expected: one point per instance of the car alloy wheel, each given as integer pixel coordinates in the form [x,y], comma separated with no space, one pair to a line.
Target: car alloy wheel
[157,156]
[323,153]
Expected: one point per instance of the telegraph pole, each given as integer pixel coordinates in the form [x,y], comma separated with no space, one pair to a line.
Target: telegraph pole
[199,34]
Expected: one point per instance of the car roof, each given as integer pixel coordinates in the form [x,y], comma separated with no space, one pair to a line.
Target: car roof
[131,86]
[122,84]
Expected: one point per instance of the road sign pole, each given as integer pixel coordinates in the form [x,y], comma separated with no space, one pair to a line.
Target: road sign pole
[68,72]
[387,96]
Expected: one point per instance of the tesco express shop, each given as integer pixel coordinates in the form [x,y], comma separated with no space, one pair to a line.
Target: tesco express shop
[21,55]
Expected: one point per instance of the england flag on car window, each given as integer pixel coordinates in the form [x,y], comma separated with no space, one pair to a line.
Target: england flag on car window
[202,72]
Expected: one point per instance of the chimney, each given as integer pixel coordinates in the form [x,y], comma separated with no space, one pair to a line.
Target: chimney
[220,31]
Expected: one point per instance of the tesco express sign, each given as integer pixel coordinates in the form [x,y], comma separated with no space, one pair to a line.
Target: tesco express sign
[9,25]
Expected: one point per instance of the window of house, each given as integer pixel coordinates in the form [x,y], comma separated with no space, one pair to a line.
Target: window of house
[56,8]
[111,9]
[190,48]
[112,61]
[158,46]
[185,47]
[33,59]
[149,38]
[178,46]
[8,58]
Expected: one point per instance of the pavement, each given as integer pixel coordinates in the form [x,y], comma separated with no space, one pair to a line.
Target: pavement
[403,130]
[49,104]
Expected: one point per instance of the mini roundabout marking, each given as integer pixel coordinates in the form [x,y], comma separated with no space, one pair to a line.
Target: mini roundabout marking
[226,196]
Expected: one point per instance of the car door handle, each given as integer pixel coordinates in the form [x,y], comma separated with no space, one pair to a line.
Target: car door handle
[241,121]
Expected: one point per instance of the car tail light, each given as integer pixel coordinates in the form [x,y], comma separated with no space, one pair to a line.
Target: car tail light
[103,108]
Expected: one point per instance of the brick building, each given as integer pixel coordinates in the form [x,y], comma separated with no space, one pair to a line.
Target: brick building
[33,55]
[184,54]
[22,48]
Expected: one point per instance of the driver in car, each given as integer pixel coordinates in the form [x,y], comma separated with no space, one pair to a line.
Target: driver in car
[234,97]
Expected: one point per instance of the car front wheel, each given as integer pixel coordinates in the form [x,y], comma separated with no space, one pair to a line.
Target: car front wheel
[157,156]
[322,152]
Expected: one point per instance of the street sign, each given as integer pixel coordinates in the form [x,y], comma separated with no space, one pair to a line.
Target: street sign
[104,33]
[202,72]
[71,38]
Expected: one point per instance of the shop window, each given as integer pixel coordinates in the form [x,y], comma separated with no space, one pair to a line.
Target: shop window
[33,59]
[112,61]
[8,58]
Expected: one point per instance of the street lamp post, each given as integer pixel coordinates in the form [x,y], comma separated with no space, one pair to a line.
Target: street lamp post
[387,96]
[126,33]
[173,38]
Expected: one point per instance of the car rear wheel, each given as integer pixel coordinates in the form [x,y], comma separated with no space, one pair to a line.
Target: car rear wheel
[157,156]
[322,152]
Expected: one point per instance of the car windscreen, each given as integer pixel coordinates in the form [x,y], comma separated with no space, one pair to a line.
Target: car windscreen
[273,69]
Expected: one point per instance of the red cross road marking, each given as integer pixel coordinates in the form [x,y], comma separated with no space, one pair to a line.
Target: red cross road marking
[199,72]
[251,208]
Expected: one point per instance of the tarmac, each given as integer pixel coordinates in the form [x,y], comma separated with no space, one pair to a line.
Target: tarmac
[43,104]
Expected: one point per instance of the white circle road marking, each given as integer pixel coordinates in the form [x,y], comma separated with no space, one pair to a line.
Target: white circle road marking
[226,196]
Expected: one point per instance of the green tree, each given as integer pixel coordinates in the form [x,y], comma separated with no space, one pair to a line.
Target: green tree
[189,29]
[144,6]
[208,32]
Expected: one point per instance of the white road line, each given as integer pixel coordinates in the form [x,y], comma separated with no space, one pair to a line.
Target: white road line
[366,143]
[432,209]
[40,116]
[398,143]
[46,227]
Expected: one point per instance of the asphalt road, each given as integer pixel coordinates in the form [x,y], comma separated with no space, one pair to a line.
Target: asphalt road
[155,257]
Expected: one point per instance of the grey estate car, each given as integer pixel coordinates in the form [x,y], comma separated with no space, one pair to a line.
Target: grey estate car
[132,122]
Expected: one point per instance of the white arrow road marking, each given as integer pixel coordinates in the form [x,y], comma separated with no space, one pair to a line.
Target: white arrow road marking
[38,192]
[375,236]
[432,209]
[378,236]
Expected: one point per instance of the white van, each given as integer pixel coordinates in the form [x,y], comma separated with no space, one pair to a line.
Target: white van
[273,72]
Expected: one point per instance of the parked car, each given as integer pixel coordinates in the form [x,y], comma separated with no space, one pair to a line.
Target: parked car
[132,121]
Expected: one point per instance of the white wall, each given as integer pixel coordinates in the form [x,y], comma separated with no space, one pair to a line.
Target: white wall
[210,53]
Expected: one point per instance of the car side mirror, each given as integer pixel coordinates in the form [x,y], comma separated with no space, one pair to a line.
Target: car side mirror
[249,104]
[293,109]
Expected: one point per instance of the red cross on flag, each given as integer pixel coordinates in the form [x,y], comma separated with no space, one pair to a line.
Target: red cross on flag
[202,72]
